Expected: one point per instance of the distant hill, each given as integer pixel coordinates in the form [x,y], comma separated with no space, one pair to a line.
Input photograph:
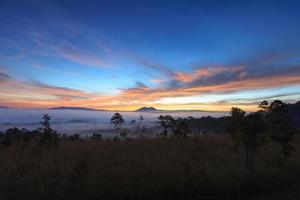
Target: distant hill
[75,108]
[147,109]
[152,109]
[4,107]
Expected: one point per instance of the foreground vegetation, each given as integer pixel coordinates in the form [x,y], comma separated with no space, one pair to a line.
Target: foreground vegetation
[195,168]
[259,158]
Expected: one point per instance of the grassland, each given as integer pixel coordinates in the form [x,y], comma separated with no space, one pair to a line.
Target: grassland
[194,168]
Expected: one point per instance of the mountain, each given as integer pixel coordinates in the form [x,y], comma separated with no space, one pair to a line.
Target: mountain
[74,108]
[147,109]
[4,107]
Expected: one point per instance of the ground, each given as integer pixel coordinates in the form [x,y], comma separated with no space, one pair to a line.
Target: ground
[206,167]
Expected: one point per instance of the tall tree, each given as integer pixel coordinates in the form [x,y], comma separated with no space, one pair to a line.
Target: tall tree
[166,122]
[236,124]
[280,129]
[248,130]
[117,120]
[254,136]
[48,134]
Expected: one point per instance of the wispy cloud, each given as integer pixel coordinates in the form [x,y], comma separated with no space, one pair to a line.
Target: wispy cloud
[62,41]
[162,68]
[202,81]
[205,73]
[69,52]
[205,80]
[4,77]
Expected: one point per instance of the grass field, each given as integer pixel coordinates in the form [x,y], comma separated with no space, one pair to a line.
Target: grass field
[206,167]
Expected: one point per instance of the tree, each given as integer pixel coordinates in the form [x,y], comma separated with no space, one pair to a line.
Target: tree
[141,125]
[181,129]
[141,118]
[48,135]
[166,122]
[12,135]
[277,106]
[75,137]
[96,136]
[248,130]
[117,120]
[280,130]
[254,136]
[263,106]
[236,124]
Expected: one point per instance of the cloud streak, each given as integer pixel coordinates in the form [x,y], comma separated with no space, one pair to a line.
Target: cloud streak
[202,81]
[31,38]
[251,75]
[159,67]
[4,77]
[69,52]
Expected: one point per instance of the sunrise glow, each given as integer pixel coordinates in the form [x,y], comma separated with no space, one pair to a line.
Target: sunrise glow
[182,56]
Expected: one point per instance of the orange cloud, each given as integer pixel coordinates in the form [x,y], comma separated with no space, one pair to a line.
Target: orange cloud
[16,93]
[147,94]
[205,72]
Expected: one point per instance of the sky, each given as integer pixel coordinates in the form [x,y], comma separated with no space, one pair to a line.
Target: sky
[170,54]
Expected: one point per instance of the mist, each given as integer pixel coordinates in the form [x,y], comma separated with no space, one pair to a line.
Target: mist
[85,122]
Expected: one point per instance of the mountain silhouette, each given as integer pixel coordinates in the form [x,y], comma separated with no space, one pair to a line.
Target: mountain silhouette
[4,107]
[147,109]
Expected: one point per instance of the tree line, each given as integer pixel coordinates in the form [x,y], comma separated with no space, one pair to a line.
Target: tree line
[273,122]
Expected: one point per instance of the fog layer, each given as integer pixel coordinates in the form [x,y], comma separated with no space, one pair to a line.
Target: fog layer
[77,121]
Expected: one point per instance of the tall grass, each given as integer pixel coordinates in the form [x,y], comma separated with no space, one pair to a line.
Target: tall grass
[194,168]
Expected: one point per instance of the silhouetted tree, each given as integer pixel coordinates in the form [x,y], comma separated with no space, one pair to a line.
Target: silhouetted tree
[263,106]
[141,118]
[48,135]
[248,130]
[117,120]
[96,136]
[236,124]
[12,135]
[272,120]
[181,129]
[141,125]
[16,136]
[166,122]
[75,137]
[46,124]
[254,136]
[280,129]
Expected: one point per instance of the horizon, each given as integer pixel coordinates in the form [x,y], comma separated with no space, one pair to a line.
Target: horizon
[93,109]
[170,55]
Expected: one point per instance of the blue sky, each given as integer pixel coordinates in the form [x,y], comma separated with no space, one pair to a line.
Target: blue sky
[126,54]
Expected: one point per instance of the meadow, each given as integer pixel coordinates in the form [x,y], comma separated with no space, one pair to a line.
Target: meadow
[201,167]
[241,156]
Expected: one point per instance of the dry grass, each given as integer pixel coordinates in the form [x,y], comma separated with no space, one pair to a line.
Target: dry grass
[196,168]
